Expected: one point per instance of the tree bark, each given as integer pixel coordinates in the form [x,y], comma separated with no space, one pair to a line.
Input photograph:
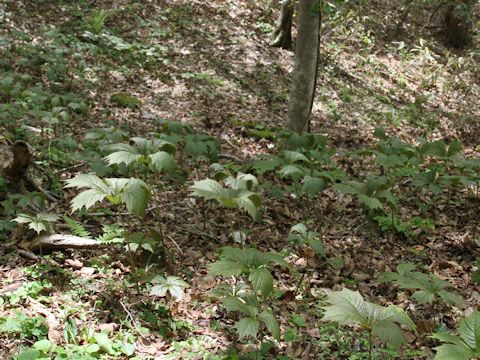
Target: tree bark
[283,32]
[306,64]
[459,23]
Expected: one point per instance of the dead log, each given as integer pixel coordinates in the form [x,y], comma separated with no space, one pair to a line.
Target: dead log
[53,242]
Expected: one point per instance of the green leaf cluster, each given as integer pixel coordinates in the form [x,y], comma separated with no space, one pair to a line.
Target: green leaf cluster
[154,153]
[465,345]
[300,235]
[171,285]
[347,307]
[250,265]
[231,198]
[429,287]
[134,193]
[38,222]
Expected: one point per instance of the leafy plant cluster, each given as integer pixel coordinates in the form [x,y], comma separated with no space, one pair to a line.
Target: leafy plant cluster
[306,167]
[25,99]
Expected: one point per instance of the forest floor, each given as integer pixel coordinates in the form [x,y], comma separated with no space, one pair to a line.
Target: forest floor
[209,64]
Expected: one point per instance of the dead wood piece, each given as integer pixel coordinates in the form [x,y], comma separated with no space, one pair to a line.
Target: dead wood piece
[60,242]
[21,159]
[29,255]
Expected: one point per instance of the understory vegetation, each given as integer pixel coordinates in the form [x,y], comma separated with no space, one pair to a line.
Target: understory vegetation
[202,228]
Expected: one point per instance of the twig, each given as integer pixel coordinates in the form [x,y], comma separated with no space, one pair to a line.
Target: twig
[73,167]
[175,243]
[29,255]
[132,319]
[230,157]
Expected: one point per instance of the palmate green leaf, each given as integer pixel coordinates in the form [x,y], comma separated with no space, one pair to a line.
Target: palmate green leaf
[233,303]
[423,297]
[242,182]
[312,185]
[261,280]
[264,258]
[171,284]
[248,201]
[162,161]
[470,331]
[23,219]
[317,246]
[210,189]
[135,195]
[294,156]
[247,327]
[87,199]
[463,347]
[265,165]
[395,314]
[347,307]
[435,148]
[291,171]
[271,323]
[300,229]
[454,148]
[119,157]
[453,352]
[88,181]
[389,332]
[449,297]
[38,227]
[371,203]
[227,268]
[346,189]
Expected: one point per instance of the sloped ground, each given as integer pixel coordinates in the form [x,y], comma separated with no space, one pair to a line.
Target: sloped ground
[209,64]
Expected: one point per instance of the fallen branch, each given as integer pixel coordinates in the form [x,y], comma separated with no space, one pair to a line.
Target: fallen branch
[59,242]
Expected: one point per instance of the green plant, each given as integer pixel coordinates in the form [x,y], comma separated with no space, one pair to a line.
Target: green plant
[134,193]
[300,235]
[231,198]
[155,154]
[39,222]
[464,346]
[22,325]
[190,144]
[76,227]
[347,307]
[372,193]
[170,286]
[429,288]
[97,21]
[255,284]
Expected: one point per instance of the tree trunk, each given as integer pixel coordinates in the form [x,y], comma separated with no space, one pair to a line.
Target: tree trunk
[459,23]
[283,32]
[304,77]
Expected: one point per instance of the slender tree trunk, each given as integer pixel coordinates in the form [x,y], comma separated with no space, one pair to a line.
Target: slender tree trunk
[283,32]
[459,22]
[306,64]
